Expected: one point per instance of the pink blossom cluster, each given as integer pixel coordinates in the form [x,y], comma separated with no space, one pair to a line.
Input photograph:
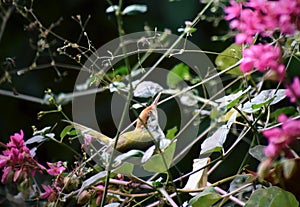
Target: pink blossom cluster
[293,90]
[55,168]
[280,137]
[50,192]
[16,160]
[263,57]
[262,17]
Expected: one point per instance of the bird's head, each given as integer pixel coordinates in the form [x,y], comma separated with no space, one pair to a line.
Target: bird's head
[148,117]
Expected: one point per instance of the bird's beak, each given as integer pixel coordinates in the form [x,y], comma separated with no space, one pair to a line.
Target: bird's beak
[155,102]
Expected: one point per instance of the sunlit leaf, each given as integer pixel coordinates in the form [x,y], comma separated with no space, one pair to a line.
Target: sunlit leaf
[112,8]
[232,99]
[42,131]
[33,151]
[198,179]
[205,199]
[135,8]
[147,89]
[36,139]
[113,87]
[128,155]
[112,205]
[156,163]
[229,57]
[263,98]
[149,152]
[177,74]
[163,143]
[272,197]
[215,142]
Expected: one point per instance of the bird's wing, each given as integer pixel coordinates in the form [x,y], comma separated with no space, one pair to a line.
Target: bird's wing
[103,139]
[137,139]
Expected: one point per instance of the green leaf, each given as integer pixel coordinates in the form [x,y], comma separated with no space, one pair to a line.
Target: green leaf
[258,152]
[156,163]
[229,57]
[125,169]
[232,99]
[177,74]
[272,197]
[205,199]
[291,110]
[263,98]
[171,132]
[120,71]
[65,131]
[135,8]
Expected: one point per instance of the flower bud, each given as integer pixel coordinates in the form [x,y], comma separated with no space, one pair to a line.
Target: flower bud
[71,182]
[264,168]
[84,197]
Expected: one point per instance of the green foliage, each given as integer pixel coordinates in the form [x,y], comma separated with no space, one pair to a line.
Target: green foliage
[265,97]
[229,57]
[177,74]
[206,198]
[171,132]
[272,197]
[162,161]
[126,168]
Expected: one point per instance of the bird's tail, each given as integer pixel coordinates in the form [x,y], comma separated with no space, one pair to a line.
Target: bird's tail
[86,131]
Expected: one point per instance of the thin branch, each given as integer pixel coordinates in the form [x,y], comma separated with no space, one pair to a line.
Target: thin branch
[4,21]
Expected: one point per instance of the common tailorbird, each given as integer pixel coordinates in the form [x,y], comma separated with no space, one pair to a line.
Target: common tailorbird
[146,133]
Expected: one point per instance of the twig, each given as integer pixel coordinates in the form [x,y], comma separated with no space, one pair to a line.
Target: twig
[167,196]
[234,199]
[4,21]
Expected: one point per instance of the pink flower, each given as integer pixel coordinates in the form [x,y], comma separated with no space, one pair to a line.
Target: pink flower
[55,168]
[262,17]
[49,193]
[6,172]
[87,139]
[262,57]
[17,160]
[279,138]
[99,193]
[16,140]
[293,90]
[233,11]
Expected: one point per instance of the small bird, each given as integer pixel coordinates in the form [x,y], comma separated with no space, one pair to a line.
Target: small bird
[146,133]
